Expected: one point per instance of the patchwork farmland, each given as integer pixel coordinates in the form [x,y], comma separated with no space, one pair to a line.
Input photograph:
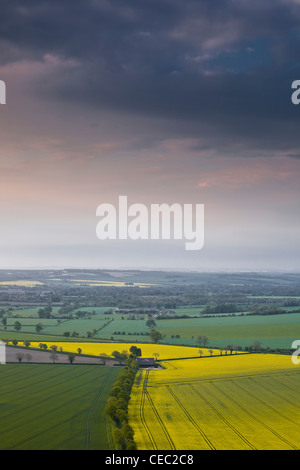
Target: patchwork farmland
[219,375]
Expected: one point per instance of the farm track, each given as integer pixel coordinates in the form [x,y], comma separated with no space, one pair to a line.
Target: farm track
[251,415]
[239,435]
[143,421]
[170,440]
[86,431]
[108,431]
[90,413]
[190,418]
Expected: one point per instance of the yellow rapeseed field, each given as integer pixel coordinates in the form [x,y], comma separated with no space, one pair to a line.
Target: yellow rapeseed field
[21,283]
[148,350]
[238,402]
[221,367]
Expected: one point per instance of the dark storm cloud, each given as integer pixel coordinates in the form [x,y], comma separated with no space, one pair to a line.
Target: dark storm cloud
[88,27]
[202,65]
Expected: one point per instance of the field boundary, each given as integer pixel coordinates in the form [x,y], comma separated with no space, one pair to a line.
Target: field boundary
[205,357]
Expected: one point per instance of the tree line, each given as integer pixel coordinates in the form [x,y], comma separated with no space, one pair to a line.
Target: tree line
[118,401]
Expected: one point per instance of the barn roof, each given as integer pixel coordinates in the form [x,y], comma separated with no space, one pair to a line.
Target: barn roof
[147,362]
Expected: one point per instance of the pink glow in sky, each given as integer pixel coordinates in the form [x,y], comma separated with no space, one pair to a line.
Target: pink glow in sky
[146,104]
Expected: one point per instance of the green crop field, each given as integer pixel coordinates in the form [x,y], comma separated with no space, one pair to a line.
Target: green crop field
[120,326]
[271,330]
[54,407]
[31,312]
[93,310]
[274,331]
[52,327]
[81,326]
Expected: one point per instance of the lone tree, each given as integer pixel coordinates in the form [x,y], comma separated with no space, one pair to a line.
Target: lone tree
[28,357]
[38,327]
[156,355]
[120,356]
[151,323]
[19,356]
[53,357]
[155,336]
[104,358]
[17,326]
[202,340]
[135,352]
[71,357]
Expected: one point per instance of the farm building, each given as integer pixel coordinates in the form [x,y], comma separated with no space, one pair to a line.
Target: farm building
[147,362]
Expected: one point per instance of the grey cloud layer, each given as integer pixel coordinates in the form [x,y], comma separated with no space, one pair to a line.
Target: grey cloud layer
[223,67]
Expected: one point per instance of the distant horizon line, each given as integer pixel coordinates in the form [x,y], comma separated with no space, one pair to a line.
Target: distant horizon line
[155,269]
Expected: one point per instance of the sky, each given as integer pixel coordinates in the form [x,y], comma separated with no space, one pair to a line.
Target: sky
[164,101]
